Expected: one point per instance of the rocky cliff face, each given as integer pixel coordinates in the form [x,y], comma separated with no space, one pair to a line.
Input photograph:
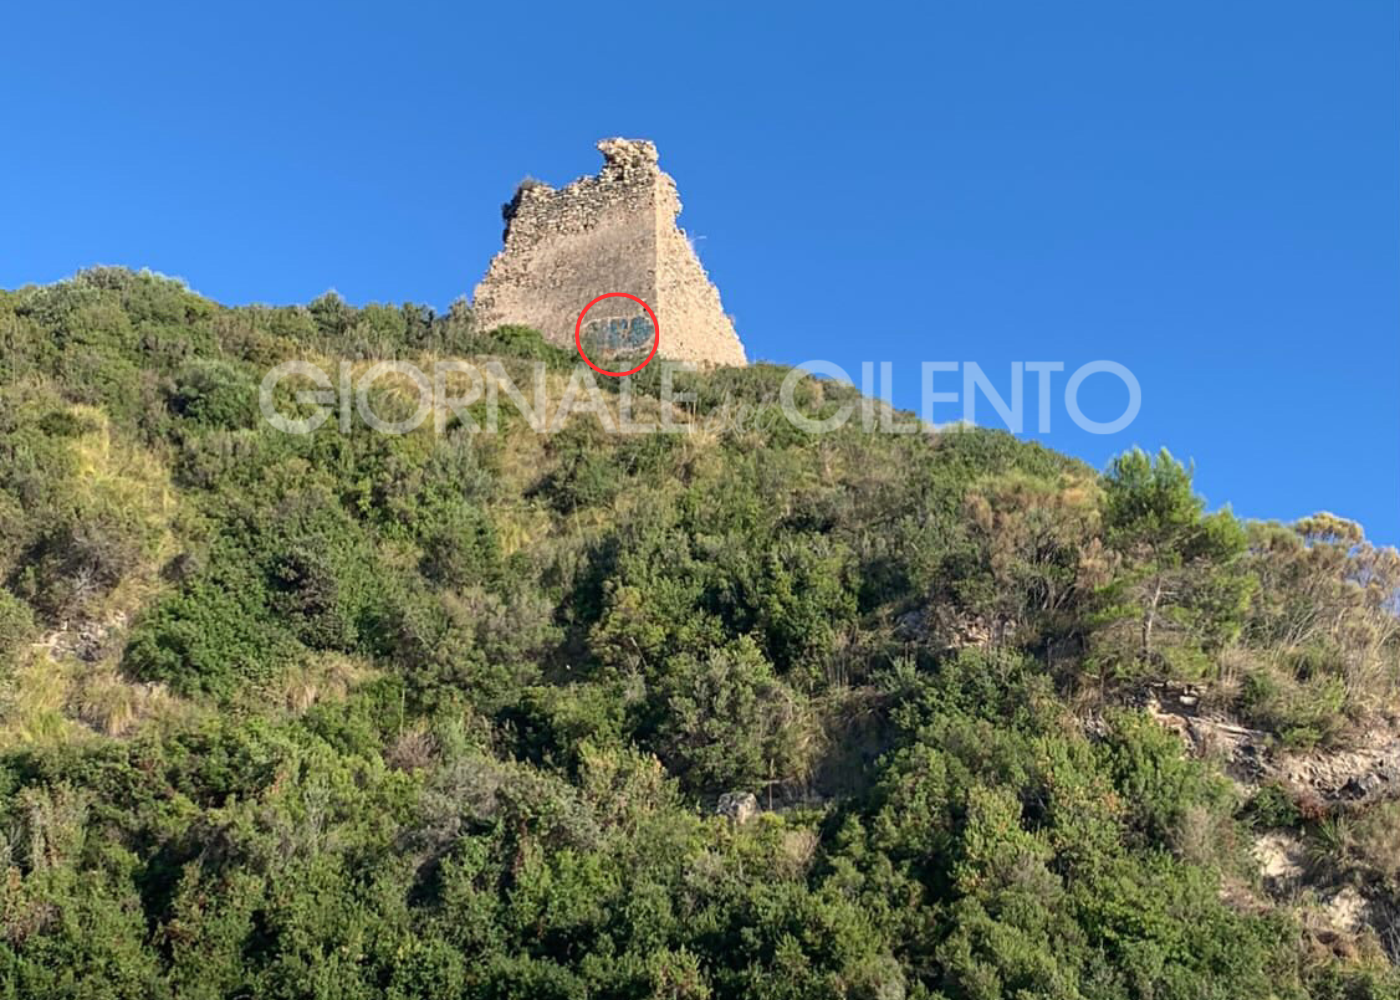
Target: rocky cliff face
[1335,780]
[614,232]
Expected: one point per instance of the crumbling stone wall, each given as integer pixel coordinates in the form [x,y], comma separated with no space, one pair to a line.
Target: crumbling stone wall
[615,232]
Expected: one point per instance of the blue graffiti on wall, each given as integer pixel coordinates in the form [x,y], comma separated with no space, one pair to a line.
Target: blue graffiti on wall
[629,334]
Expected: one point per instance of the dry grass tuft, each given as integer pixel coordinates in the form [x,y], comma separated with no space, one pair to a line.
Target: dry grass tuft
[327,676]
[112,705]
[412,751]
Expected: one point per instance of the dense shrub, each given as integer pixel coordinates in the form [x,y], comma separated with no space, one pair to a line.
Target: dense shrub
[447,714]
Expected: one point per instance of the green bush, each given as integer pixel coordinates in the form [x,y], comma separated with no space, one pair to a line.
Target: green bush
[214,394]
[16,625]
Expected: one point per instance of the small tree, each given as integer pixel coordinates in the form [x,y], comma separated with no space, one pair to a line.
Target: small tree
[1181,590]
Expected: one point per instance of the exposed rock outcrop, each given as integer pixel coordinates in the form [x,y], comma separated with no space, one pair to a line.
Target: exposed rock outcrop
[740,807]
[1359,775]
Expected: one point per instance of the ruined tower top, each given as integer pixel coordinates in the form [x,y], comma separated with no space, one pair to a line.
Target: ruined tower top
[622,155]
[613,232]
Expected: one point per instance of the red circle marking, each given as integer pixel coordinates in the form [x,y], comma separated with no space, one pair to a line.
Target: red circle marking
[578,333]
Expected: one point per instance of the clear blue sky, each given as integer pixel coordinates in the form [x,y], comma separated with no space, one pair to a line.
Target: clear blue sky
[1208,193]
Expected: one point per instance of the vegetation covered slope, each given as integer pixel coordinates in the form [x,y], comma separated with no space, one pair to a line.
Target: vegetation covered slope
[447,714]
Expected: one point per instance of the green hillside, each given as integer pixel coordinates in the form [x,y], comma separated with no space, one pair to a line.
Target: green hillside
[353,714]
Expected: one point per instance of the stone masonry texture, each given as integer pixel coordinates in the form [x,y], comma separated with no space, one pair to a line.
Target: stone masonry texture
[615,232]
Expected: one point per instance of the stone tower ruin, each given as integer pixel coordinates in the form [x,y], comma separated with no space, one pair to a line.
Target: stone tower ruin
[615,232]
